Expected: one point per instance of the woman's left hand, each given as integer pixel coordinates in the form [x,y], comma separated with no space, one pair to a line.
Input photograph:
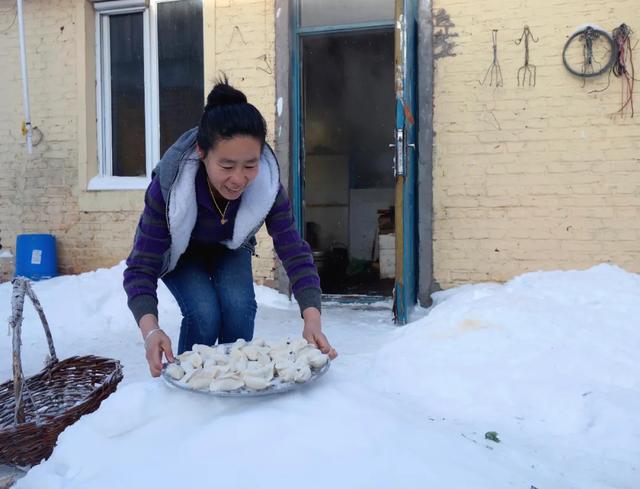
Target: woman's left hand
[312,332]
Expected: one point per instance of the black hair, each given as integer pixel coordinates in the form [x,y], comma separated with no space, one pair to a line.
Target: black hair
[228,114]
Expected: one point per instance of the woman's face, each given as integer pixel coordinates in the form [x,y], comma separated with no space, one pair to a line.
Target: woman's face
[232,165]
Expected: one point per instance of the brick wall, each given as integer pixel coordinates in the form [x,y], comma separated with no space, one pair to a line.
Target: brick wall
[41,192]
[529,178]
[245,52]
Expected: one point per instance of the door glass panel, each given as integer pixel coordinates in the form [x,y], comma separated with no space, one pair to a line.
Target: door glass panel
[335,12]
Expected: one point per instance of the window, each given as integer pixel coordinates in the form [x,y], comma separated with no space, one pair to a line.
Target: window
[150,84]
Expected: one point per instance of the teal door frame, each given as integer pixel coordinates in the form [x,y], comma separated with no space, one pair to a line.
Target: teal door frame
[405,164]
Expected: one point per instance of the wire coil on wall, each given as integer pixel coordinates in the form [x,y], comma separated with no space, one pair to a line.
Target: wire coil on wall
[589,35]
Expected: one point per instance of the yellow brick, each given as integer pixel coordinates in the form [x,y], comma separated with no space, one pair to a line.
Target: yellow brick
[570,178]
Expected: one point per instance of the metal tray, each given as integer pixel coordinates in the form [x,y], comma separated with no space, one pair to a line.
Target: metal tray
[277,386]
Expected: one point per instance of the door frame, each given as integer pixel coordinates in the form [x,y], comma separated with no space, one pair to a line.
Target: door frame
[287,131]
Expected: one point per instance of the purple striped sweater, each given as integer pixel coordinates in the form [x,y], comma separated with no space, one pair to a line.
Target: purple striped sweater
[144,265]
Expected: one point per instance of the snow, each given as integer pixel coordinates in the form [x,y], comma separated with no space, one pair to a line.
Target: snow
[548,361]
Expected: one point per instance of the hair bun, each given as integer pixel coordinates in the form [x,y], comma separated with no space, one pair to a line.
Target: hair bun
[224,94]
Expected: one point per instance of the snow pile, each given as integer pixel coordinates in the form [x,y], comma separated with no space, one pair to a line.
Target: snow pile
[548,361]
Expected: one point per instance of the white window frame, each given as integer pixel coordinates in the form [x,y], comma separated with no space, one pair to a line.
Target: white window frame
[104,10]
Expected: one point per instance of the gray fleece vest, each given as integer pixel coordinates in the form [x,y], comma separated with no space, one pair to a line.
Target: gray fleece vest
[177,172]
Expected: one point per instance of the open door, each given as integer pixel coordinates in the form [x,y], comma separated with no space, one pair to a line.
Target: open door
[405,167]
[353,73]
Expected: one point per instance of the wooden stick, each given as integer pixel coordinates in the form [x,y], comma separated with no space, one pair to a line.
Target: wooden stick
[17,307]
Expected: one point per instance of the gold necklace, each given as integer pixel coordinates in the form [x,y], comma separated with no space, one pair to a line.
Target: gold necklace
[215,202]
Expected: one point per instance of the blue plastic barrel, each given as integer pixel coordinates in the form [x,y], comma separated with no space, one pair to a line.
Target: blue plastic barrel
[36,256]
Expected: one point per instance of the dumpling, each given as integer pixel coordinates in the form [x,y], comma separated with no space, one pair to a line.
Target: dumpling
[208,374]
[257,370]
[298,344]
[284,364]
[237,353]
[220,355]
[304,353]
[189,372]
[303,374]
[252,365]
[175,371]
[199,381]
[317,360]
[229,374]
[227,384]
[288,374]
[263,358]
[239,364]
[218,370]
[184,355]
[205,351]
[282,354]
[251,351]
[301,362]
[216,358]
[196,360]
[219,358]
[256,383]
[191,358]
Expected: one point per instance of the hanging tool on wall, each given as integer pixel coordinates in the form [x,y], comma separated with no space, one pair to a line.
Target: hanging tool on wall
[623,66]
[527,68]
[589,52]
[494,69]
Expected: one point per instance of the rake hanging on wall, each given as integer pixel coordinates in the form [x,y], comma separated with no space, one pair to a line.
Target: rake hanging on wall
[527,68]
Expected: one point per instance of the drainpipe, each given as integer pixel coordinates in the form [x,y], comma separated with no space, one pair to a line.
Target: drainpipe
[25,83]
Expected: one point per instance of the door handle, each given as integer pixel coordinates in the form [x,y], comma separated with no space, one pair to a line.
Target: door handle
[399,158]
[398,168]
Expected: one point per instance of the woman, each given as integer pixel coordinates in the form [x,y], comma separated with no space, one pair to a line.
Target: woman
[210,193]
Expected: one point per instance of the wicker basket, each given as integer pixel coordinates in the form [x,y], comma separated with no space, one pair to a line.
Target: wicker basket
[51,400]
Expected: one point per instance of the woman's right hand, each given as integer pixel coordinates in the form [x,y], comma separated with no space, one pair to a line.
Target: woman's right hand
[156,343]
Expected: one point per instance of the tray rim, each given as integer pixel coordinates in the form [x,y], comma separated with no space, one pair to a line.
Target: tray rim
[243,392]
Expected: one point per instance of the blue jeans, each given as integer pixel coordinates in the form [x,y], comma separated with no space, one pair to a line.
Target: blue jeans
[214,289]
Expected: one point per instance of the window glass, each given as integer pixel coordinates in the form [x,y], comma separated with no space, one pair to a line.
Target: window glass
[127,95]
[180,68]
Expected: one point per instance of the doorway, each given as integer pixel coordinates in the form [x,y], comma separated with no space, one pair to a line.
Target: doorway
[348,117]
[354,146]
